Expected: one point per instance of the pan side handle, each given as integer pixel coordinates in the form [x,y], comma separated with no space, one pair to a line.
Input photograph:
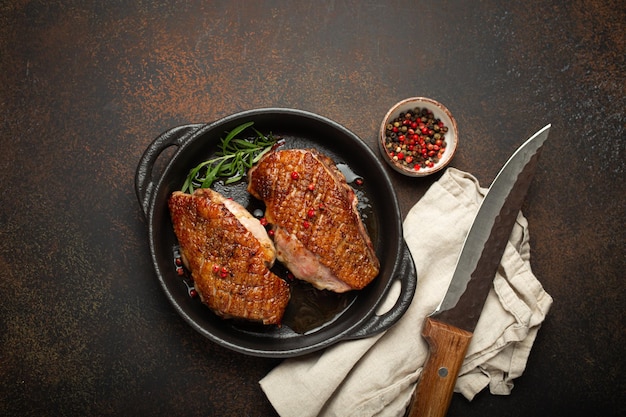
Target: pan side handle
[144,181]
[406,274]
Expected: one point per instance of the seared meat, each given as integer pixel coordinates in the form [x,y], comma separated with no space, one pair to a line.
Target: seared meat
[318,232]
[229,255]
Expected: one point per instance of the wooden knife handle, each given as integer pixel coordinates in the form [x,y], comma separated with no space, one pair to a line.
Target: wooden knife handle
[435,387]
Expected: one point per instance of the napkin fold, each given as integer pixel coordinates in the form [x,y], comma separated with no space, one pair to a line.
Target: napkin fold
[376,376]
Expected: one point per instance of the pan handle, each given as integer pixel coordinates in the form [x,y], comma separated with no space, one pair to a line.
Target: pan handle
[407,275]
[144,183]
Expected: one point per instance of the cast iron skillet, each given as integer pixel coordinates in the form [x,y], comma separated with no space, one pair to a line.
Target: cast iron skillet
[195,143]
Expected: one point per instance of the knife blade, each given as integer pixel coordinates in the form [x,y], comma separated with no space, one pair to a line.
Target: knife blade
[449,329]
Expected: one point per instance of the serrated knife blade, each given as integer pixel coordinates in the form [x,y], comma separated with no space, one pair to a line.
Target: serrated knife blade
[449,329]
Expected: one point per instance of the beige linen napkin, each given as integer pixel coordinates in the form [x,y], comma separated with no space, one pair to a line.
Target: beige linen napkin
[376,376]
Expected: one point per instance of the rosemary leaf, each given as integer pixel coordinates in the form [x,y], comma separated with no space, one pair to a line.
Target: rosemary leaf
[234,133]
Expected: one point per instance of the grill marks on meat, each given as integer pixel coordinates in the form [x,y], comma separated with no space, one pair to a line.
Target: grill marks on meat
[318,232]
[229,255]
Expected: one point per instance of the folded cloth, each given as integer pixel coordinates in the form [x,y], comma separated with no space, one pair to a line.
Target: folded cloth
[376,376]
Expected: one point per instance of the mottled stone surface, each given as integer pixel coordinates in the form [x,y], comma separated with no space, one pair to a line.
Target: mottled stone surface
[86,85]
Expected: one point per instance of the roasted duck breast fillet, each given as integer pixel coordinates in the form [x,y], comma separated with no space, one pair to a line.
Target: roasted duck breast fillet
[318,232]
[229,255]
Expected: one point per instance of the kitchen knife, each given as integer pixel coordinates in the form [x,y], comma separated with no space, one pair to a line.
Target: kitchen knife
[448,330]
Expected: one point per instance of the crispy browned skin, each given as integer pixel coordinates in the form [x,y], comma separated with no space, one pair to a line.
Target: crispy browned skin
[228,264]
[318,230]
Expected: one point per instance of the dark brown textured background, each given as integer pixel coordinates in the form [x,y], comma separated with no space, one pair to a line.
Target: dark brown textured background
[86,85]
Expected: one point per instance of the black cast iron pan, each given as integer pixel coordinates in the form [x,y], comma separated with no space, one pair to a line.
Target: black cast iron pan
[334,317]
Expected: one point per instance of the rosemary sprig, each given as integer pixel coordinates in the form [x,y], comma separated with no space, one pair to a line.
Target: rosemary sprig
[231,161]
